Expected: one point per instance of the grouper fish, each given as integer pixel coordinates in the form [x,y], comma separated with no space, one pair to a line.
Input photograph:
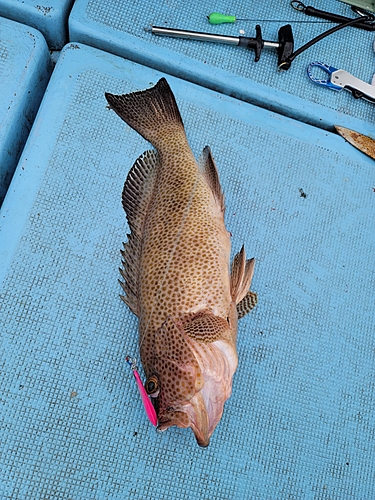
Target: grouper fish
[176,269]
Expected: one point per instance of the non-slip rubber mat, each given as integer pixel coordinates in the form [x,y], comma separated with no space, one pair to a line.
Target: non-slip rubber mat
[300,422]
[25,68]
[50,18]
[118,26]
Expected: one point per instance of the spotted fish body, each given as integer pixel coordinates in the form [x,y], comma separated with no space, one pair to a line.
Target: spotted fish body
[176,271]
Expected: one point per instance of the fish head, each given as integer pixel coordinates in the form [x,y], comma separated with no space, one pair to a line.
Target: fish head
[190,377]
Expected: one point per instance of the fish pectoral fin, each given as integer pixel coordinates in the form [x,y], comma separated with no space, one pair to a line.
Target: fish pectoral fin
[241,275]
[247,304]
[136,198]
[208,167]
[205,327]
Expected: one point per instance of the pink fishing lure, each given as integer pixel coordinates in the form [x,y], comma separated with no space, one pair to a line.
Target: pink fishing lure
[149,407]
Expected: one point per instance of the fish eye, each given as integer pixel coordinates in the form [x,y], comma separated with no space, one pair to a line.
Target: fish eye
[152,386]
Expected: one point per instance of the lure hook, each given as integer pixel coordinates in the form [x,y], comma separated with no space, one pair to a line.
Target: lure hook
[132,362]
[148,406]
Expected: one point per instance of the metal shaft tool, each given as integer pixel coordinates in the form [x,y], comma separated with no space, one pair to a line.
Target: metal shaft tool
[284,46]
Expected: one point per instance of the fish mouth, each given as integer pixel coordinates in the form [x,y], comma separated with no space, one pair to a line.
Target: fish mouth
[199,420]
[218,362]
[203,411]
[192,414]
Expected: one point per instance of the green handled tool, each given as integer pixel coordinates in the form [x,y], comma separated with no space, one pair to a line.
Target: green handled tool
[217,18]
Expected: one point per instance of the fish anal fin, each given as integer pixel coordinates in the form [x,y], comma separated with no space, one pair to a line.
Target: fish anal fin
[204,326]
[136,199]
[208,167]
[247,304]
[241,275]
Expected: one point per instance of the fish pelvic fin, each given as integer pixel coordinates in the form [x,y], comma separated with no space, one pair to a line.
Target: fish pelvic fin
[208,167]
[153,112]
[247,304]
[136,198]
[241,276]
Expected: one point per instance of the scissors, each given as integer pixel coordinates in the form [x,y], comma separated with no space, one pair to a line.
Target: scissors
[340,79]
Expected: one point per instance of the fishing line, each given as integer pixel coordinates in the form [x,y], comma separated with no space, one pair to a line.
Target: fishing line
[283,21]
[287,63]
[217,18]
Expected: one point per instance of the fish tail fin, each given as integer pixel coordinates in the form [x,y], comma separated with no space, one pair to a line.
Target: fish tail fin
[153,113]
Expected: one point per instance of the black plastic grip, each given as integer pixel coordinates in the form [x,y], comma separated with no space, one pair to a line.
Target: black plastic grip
[286,45]
[256,43]
[335,18]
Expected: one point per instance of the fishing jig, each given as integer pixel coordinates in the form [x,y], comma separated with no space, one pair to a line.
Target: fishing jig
[149,407]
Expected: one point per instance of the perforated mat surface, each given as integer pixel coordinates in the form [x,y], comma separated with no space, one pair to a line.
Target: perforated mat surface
[50,18]
[118,26]
[300,421]
[25,68]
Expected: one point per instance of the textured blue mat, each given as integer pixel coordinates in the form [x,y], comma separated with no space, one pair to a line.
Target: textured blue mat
[300,423]
[25,67]
[50,18]
[118,26]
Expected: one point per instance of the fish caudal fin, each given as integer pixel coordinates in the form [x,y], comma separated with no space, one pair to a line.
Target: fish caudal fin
[240,281]
[136,197]
[152,112]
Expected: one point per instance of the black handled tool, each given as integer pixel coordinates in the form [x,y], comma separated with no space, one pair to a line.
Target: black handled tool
[284,45]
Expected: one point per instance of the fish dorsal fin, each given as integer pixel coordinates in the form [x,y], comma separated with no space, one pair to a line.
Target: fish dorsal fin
[136,197]
[138,189]
[209,170]
[205,326]
[241,275]
[247,304]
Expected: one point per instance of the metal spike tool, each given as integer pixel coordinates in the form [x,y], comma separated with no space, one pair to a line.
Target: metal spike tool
[284,45]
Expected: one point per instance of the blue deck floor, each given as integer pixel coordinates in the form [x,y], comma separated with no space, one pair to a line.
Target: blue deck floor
[115,27]
[299,424]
